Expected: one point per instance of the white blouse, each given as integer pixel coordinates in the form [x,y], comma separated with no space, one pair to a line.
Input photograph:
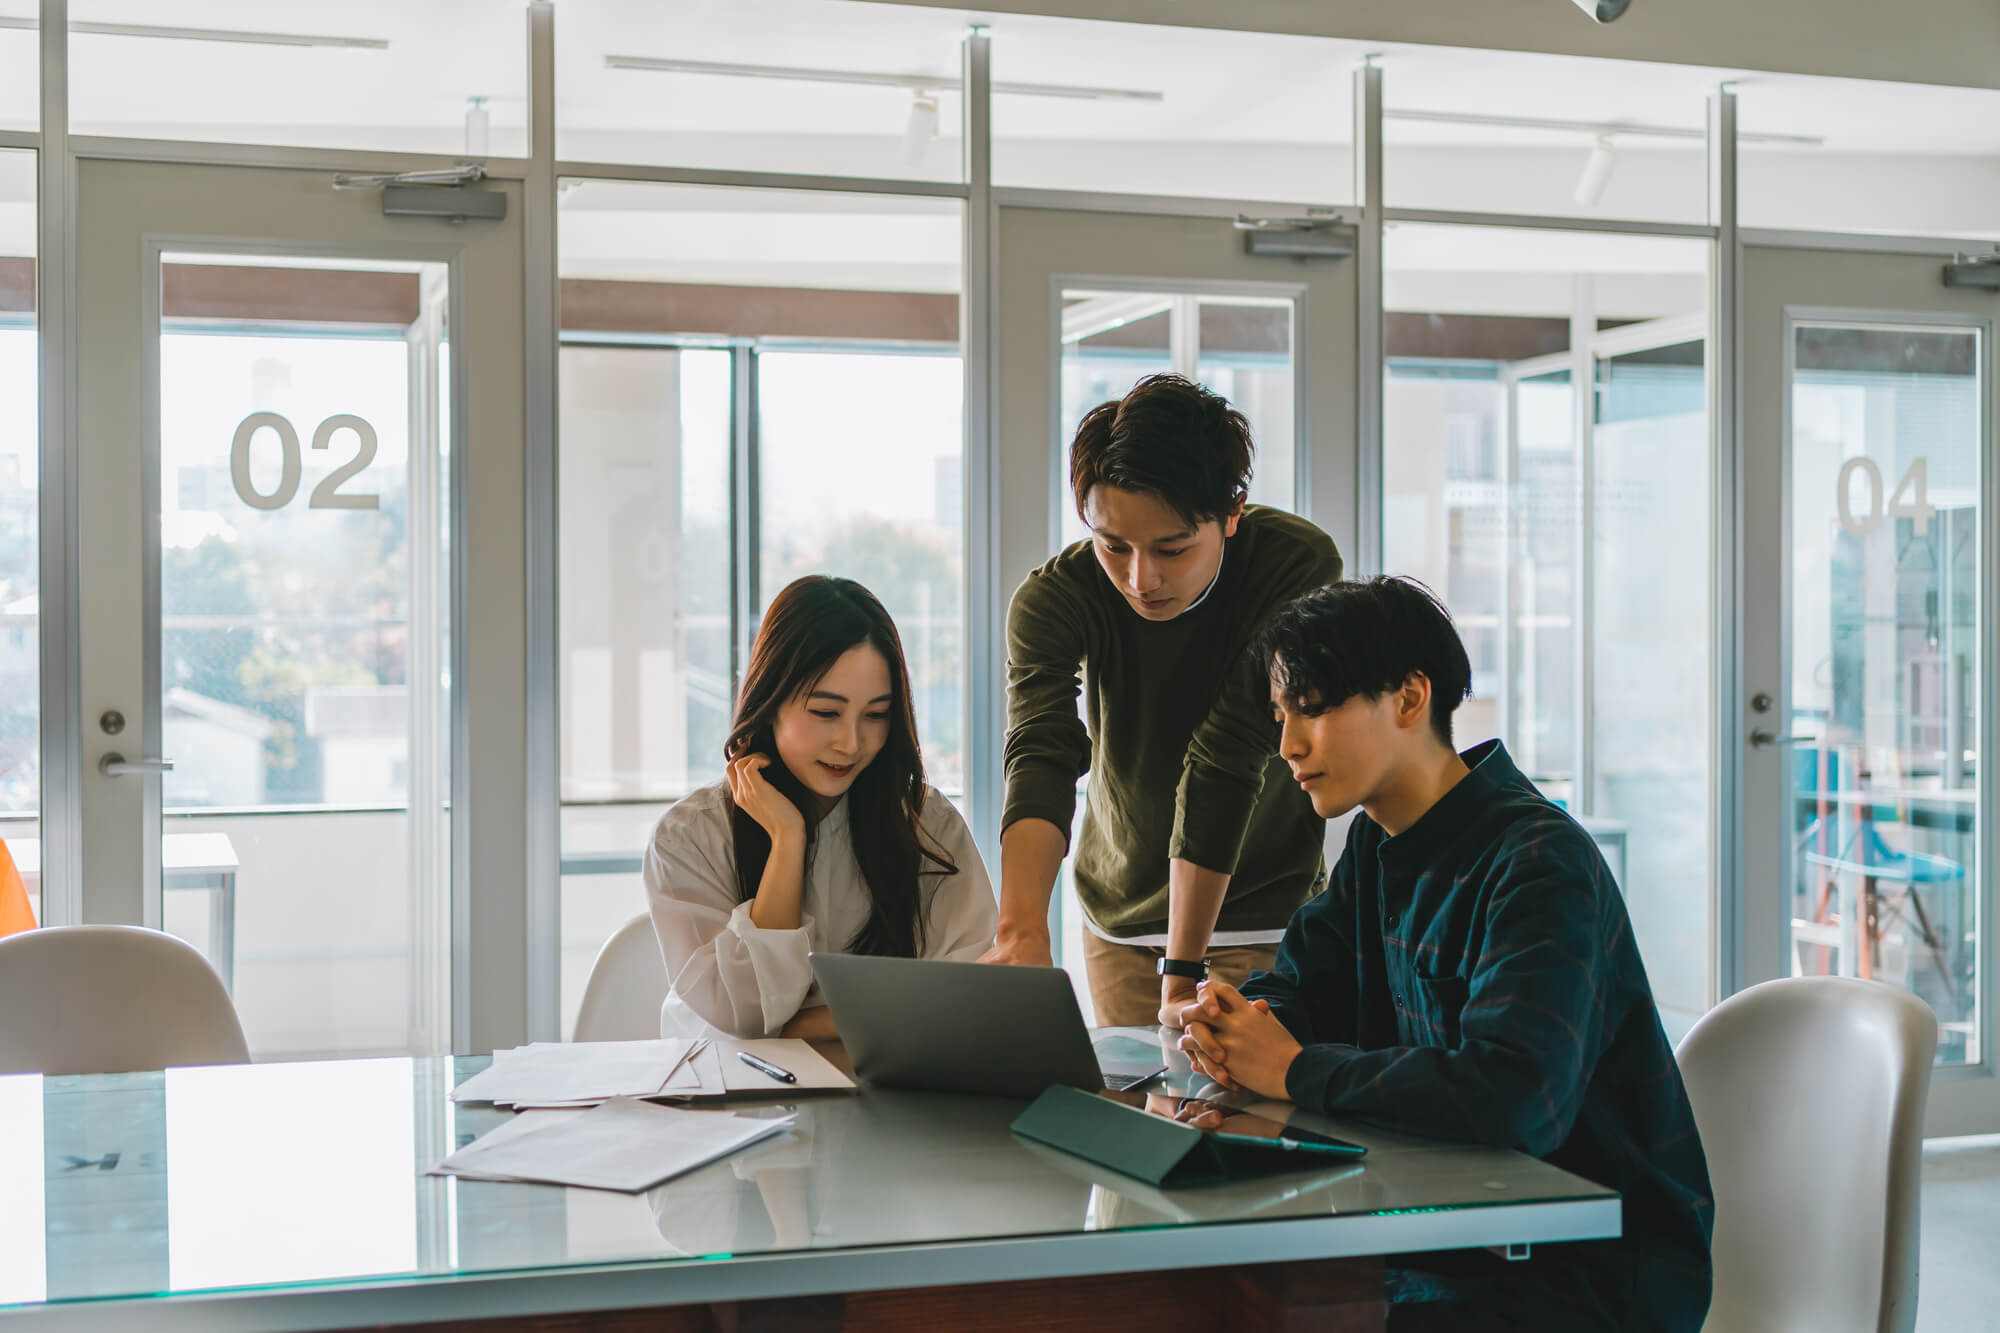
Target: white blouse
[726,974]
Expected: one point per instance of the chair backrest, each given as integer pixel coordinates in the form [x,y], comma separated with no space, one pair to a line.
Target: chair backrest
[109,1000]
[1809,1094]
[627,986]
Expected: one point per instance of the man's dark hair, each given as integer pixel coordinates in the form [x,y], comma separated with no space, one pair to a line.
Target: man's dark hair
[1368,638]
[1168,437]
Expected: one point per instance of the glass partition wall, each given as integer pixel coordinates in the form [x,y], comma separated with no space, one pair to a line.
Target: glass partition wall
[20,531]
[1568,533]
[756,385]
[1885,435]
[304,631]
[758,379]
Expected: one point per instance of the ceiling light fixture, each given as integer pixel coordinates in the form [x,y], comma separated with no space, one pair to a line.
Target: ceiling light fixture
[209,35]
[1595,128]
[1596,173]
[918,83]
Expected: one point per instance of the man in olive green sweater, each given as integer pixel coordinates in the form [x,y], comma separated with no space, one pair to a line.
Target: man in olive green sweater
[1196,845]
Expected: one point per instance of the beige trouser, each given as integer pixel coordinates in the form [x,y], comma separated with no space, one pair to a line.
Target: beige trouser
[1125,987]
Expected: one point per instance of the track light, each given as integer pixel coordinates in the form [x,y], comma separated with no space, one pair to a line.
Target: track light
[922,126]
[1604,10]
[1625,129]
[1596,173]
[933,83]
[209,34]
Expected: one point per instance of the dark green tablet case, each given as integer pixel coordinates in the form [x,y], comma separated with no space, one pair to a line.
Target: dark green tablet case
[1149,1147]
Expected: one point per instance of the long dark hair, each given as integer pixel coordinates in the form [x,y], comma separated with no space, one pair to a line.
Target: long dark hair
[805,631]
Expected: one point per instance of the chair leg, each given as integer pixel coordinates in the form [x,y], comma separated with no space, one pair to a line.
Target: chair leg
[1822,913]
[1870,935]
[1935,945]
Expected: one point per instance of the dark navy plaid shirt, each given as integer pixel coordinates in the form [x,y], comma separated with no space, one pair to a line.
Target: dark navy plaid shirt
[1475,978]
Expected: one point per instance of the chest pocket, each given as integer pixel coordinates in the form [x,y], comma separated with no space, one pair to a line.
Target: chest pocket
[1437,1003]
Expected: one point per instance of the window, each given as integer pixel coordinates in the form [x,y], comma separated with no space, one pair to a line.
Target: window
[1570,542]
[1238,346]
[20,67]
[1135,108]
[1548,135]
[303,615]
[1885,534]
[860,474]
[763,85]
[756,385]
[20,516]
[1852,155]
[444,76]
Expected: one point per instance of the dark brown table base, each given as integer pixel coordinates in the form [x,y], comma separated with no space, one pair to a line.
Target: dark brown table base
[1325,1296]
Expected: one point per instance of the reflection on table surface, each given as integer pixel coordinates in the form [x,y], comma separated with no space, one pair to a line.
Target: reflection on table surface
[258,1175]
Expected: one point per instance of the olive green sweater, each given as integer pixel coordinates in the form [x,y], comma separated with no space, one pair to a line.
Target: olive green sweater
[1177,732]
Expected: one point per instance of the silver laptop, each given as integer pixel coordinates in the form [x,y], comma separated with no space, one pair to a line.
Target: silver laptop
[965,1027]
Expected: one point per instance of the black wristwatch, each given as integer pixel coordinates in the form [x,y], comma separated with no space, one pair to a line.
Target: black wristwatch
[1181,967]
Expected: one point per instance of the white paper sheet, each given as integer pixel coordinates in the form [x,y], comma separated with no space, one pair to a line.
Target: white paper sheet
[813,1070]
[721,1074]
[580,1073]
[626,1145]
[525,1122]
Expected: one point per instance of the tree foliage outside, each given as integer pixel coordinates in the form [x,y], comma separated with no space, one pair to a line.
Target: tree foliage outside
[296,598]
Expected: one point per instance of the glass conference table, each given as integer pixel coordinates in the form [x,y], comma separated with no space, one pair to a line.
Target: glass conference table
[294,1196]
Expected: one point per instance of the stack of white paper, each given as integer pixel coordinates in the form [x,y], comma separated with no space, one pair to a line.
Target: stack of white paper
[573,1075]
[626,1145]
[584,1073]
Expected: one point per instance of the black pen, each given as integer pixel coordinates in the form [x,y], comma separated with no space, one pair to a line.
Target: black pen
[766,1067]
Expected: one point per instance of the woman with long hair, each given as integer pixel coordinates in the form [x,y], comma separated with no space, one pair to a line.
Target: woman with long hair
[824,837]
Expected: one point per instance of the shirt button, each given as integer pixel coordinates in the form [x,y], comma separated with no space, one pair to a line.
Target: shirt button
[1398,999]
[1390,920]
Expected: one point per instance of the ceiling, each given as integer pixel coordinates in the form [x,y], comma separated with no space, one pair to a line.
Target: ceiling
[1247,115]
[1214,86]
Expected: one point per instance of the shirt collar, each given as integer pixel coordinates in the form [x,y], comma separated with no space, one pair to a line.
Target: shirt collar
[1490,770]
[1212,582]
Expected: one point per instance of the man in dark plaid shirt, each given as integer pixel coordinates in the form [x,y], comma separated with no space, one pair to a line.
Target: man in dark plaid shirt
[1469,973]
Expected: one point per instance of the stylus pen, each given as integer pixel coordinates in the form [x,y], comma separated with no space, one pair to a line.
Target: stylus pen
[766,1067]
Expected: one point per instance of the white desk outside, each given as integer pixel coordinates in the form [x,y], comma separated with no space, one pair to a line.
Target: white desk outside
[186,857]
[292,1196]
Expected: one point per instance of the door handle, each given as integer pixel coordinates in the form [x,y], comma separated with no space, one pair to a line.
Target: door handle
[1763,739]
[118,766]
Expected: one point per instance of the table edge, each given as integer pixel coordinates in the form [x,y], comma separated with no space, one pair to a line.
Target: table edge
[642,1283]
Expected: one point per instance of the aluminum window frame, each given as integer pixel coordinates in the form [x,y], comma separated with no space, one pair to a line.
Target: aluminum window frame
[61,708]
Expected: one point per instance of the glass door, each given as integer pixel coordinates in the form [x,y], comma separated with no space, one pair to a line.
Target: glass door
[1866,721]
[1089,303]
[273,749]
[1237,342]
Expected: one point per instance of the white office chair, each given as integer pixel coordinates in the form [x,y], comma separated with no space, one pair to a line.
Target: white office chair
[1809,1094]
[109,1000]
[627,986]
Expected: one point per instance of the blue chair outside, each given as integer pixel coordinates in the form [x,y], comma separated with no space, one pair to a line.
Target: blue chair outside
[1857,847]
